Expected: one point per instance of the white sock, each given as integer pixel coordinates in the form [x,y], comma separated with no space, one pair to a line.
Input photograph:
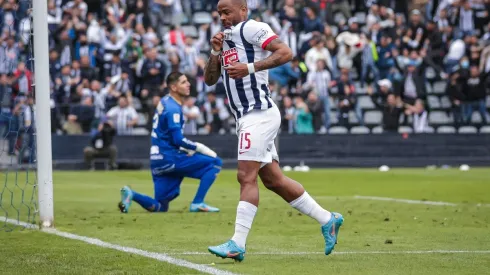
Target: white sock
[245,214]
[308,206]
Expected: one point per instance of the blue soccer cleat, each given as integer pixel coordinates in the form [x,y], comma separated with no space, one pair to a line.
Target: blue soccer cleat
[202,207]
[126,199]
[330,231]
[228,250]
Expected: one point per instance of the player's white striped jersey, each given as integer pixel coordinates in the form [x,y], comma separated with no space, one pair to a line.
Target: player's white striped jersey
[245,43]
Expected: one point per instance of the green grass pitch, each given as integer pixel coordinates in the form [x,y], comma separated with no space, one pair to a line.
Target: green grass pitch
[86,204]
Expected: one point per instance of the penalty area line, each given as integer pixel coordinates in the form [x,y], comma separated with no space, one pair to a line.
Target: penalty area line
[351,252]
[162,257]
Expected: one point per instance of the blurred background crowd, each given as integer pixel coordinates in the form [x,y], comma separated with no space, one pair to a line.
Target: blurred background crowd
[360,66]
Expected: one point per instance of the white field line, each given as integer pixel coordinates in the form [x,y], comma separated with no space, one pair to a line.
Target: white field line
[153,255]
[405,200]
[352,252]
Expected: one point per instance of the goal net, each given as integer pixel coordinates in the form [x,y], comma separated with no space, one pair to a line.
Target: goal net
[18,118]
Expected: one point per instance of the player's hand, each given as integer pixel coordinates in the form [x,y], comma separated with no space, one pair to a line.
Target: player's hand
[237,70]
[217,41]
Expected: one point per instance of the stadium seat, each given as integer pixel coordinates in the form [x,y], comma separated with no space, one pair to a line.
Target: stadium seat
[338,130]
[365,102]
[439,87]
[485,130]
[433,101]
[476,118]
[445,102]
[190,30]
[405,130]
[467,130]
[429,130]
[334,90]
[353,118]
[335,30]
[333,117]
[202,17]
[373,117]
[142,120]
[359,130]
[439,117]
[377,130]
[140,131]
[430,73]
[446,130]
[163,30]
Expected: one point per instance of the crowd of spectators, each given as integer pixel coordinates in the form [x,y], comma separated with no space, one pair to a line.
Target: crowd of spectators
[357,63]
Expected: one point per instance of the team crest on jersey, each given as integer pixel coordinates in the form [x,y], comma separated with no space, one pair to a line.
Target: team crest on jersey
[230,56]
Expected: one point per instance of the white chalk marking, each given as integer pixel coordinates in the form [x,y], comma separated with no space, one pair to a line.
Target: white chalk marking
[351,252]
[153,255]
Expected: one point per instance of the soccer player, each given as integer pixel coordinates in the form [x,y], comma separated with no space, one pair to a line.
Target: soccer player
[242,55]
[173,157]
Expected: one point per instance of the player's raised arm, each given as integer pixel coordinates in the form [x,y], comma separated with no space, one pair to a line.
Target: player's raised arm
[212,71]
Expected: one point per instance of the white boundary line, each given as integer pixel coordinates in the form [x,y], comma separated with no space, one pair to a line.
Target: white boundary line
[352,252]
[405,200]
[153,255]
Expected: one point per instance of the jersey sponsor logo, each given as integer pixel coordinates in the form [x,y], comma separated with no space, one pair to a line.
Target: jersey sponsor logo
[230,56]
[156,157]
[177,118]
[260,35]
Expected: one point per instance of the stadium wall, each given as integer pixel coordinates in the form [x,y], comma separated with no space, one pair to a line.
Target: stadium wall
[314,150]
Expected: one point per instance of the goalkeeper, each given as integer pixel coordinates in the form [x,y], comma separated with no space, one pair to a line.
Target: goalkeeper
[173,157]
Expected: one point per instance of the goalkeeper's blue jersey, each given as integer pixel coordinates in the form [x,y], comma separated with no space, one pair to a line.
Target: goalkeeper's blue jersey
[166,135]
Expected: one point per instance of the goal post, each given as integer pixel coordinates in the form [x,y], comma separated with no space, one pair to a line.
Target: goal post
[43,113]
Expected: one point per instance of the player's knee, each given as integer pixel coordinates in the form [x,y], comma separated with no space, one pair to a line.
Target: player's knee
[218,162]
[244,177]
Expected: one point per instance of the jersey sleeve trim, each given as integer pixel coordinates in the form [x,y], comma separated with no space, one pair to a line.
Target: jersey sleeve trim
[269,40]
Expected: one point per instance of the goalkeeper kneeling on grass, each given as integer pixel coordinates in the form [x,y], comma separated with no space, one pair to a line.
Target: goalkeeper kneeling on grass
[173,157]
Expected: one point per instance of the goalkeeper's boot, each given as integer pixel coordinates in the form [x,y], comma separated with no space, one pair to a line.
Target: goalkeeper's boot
[202,207]
[330,231]
[228,250]
[126,199]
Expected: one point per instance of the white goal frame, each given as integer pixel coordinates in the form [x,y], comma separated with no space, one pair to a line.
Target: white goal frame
[43,113]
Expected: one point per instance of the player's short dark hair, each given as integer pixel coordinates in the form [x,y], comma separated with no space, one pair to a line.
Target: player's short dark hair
[173,77]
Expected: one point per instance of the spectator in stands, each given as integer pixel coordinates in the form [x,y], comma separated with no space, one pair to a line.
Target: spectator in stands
[80,118]
[311,21]
[28,151]
[285,74]
[392,109]
[303,117]
[288,115]
[380,92]
[475,87]
[347,103]
[419,114]
[457,98]
[191,114]
[123,117]
[369,59]
[320,82]
[412,86]
[316,108]
[101,145]
[215,114]
[385,62]
[318,52]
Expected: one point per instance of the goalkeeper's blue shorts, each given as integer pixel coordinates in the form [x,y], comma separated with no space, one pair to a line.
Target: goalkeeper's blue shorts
[168,172]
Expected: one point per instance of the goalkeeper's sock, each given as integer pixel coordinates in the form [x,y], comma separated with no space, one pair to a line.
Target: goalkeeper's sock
[308,206]
[148,203]
[245,214]
[206,181]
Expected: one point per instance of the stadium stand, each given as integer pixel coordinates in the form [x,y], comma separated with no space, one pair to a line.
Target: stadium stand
[434,62]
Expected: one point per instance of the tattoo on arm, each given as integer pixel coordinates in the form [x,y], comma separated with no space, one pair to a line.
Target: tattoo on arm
[281,54]
[212,70]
